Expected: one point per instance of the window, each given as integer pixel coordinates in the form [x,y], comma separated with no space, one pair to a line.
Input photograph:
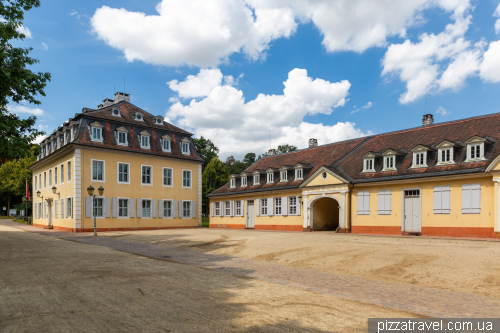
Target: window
[146,208]
[146,174]
[72,133]
[69,207]
[145,141]
[159,121]
[419,159]
[293,205]
[50,177]
[65,135]
[475,151]
[123,207]
[389,162]
[256,179]
[233,183]
[165,144]
[185,148]
[39,181]
[364,202]
[186,178]
[217,209]
[45,179]
[299,174]
[445,155]
[97,170]
[69,171]
[368,165]
[384,202]
[442,199]
[238,207]
[62,173]
[138,116]
[263,204]
[270,177]
[36,183]
[228,208]
[471,199]
[123,173]
[56,206]
[186,209]
[36,211]
[98,207]
[167,177]
[62,208]
[116,113]
[167,208]
[55,176]
[277,206]
[243,181]
[284,176]
[96,133]
[122,138]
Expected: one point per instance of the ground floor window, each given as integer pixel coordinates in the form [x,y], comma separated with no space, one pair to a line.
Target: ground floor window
[217,209]
[186,209]
[146,208]
[264,207]
[228,208]
[277,206]
[123,207]
[167,208]
[69,207]
[238,207]
[98,207]
[293,205]
[62,208]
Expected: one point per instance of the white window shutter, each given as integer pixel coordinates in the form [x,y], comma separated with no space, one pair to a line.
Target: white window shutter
[387,202]
[438,199]
[445,199]
[270,211]
[107,207]
[232,208]
[131,206]
[381,205]
[212,210]
[174,209]
[257,209]
[242,208]
[361,198]
[298,206]
[115,207]
[475,206]
[284,206]
[55,208]
[366,202]
[160,208]
[181,211]
[153,208]
[139,208]
[466,199]
[193,209]
[88,207]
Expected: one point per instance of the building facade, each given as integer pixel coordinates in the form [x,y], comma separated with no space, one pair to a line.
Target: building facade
[436,179]
[149,169]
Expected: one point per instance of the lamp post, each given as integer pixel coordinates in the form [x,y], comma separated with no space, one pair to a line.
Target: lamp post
[90,191]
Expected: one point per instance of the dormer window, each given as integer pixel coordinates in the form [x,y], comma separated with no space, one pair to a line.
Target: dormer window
[233,183]
[243,181]
[368,165]
[445,152]
[65,136]
[419,156]
[165,143]
[121,136]
[72,133]
[299,174]
[185,146]
[475,149]
[159,120]
[96,132]
[270,177]
[116,112]
[283,176]
[256,179]
[389,162]
[138,116]
[145,138]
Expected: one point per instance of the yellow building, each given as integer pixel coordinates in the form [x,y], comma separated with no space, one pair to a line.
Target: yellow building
[435,179]
[149,169]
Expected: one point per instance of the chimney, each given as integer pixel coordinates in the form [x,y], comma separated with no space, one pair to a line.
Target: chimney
[313,143]
[119,96]
[107,102]
[427,119]
[271,152]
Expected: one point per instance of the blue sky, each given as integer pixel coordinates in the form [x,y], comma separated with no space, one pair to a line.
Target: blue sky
[351,67]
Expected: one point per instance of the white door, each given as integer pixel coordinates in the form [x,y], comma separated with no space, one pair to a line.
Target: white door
[413,219]
[250,214]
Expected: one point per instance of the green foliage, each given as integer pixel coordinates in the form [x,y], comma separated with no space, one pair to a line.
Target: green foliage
[249,159]
[285,149]
[206,149]
[214,177]
[17,83]
[13,175]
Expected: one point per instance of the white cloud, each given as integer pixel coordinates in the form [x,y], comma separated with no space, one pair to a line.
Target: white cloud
[442,111]
[24,30]
[199,85]
[364,107]
[45,46]
[206,33]
[24,109]
[497,23]
[437,62]
[490,66]
[237,126]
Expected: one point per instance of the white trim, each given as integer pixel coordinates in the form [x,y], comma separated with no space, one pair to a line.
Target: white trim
[440,161]
[69,171]
[190,178]
[232,182]
[256,183]
[96,126]
[320,170]
[171,209]
[118,173]
[121,130]
[169,140]
[403,206]
[150,208]
[301,171]
[61,168]
[142,135]
[246,181]
[369,159]
[146,184]
[386,158]
[118,209]
[171,177]
[415,156]
[190,209]
[103,171]
[188,146]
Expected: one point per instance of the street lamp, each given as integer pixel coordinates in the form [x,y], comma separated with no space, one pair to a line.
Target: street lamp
[90,191]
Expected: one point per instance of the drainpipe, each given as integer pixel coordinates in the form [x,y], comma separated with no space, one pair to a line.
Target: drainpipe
[351,186]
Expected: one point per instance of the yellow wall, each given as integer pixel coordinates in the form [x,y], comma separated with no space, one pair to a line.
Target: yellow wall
[320,181]
[429,219]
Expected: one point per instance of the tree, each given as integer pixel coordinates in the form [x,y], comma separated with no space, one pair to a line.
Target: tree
[206,149]
[13,176]
[249,159]
[234,166]
[18,84]
[285,149]
[214,177]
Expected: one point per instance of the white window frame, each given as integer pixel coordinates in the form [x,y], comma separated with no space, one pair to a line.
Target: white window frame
[293,206]
[151,175]
[45,179]
[171,176]
[256,179]
[98,130]
[72,132]
[69,207]
[190,178]
[419,159]
[118,132]
[55,176]
[386,164]
[439,195]
[68,171]
[283,176]
[144,136]
[231,185]
[190,207]
[171,209]
[127,200]
[61,204]
[103,207]
[263,205]
[217,209]
[65,137]
[299,174]
[118,173]
[382,195]
[103,171]
[270,178]
[62,173]
[440,156]
[244,181]
[481,151]
[139,114]
[40,181]
[278,210]
[227,206]
[56,208]
[169,148]
[185,145]
[369,164]
[50,178]
[116,115]
[158,121]
[36,182]
[143,201]
[238,211]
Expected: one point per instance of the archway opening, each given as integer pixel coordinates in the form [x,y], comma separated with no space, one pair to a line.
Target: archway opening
[325,214]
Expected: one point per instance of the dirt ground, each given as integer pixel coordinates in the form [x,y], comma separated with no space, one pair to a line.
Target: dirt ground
[458,265]
[55,285]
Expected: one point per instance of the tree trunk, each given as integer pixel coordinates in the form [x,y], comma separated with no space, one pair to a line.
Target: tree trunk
[8,206]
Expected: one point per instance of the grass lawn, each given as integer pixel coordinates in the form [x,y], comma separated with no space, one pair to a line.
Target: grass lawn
[21,221]
[205,222]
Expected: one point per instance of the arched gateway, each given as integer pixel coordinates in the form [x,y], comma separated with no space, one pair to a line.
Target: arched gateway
[324,213]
